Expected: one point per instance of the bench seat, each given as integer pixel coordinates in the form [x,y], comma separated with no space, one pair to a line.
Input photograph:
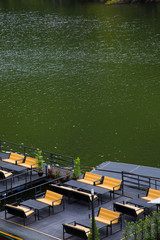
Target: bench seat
[4,174]
[151,194]
[18,211]
[28,163]
[109,218]
[76,229]
[90,178]
[13,157]
[128,209]
[52,199]
[70,192]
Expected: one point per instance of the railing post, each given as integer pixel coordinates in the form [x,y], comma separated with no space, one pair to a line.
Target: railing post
[0,145]
[51,159]
[122,183]
[149,182]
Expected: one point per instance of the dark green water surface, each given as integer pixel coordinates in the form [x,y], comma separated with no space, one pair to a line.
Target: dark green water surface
[81,79]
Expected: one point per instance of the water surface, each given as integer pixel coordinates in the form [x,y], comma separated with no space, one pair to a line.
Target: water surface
[81,79]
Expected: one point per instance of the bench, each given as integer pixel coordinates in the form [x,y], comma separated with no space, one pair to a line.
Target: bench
[151,194]
[13,157]
[52,199]
[70,192]
[128,209]
[4,174]
[76,229]
[28,163]
[90,178]
[18,211]
[109,183]
[109,218]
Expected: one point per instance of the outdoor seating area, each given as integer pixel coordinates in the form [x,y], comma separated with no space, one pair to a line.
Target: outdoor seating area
[65,200]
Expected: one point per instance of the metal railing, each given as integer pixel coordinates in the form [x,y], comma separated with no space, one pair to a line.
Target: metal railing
[140,181]
[28,193]
[49,157]
[18,181]
[136,180]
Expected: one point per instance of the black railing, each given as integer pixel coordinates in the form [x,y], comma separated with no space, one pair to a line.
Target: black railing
[49,157]
[136,180]
[14,182]
[140,181]
[28,193]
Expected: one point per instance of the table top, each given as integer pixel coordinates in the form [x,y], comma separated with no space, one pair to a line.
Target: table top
[11,167]
[32,203]
[140,202]
[87,223]
[85,186]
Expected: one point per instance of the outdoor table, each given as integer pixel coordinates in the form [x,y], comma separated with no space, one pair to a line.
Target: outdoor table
[141,203]
[87,187]
[36,205]
[12,167]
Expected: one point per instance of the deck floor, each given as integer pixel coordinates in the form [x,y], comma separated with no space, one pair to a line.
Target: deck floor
[50,227]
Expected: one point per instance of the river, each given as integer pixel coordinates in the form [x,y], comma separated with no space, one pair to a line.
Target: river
[81,79]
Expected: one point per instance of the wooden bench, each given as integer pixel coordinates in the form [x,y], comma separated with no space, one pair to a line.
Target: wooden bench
[76,229]
[109,183]
[13,157]
[18,211]
[109,218]
[28,163]
[128,209]
[90,178]
[73,193]
[4,174]
[151,194]
[52,199]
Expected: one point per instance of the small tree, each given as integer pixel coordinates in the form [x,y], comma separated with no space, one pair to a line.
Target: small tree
[77,169]
[96,232]
[39,158]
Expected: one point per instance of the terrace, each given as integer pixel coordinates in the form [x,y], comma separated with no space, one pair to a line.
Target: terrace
[136,180]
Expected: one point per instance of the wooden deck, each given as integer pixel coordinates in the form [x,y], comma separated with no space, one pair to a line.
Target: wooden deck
[50,227]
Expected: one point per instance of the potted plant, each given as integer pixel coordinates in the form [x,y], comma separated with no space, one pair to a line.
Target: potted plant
[39,158]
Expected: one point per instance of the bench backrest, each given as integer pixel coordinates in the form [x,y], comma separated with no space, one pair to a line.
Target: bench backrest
[2,176]
[30,160]
[108,214]
[15,211]
[154,193]
[15,156]
[92,176]
[70,191]
[112,182]
[125,209]
[73,230]
[52,196]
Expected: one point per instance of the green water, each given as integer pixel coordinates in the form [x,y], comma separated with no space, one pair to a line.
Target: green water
[81,79]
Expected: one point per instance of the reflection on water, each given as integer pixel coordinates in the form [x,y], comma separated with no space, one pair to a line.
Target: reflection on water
[81,80]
